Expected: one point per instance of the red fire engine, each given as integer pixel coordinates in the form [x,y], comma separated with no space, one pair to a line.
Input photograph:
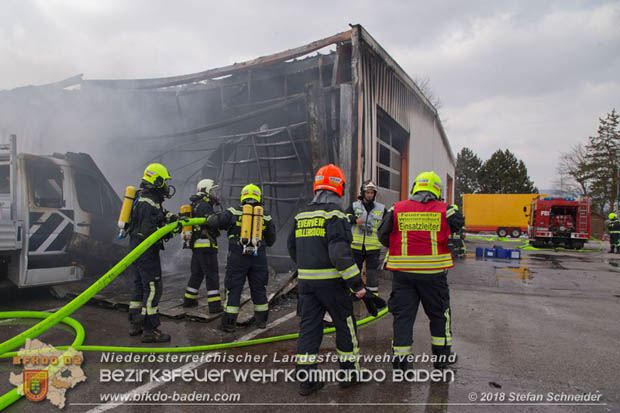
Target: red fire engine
[559,222]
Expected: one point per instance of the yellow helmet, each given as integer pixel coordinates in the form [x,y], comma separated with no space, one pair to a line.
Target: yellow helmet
[427,181]
[250,191]
[156,174]
[612,216]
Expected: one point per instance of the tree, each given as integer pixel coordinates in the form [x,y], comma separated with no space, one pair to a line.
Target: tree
[467,169]
[574,176]
[503,173]
[602,155]
[424,84]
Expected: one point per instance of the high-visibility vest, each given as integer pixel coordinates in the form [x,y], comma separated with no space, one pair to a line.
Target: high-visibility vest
[419,238]
[366,235]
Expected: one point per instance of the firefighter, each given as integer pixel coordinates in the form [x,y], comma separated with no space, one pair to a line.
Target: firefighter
[365,215]
[416,232]
[147,216]
[243,261]
[614,233]
[204,246]
[320,244]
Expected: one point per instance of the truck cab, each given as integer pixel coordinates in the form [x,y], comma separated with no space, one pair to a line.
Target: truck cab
[58,216]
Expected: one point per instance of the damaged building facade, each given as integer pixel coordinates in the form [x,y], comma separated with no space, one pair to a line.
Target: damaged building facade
[272,121]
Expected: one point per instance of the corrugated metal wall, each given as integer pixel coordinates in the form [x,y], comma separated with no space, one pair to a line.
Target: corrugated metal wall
[381,87]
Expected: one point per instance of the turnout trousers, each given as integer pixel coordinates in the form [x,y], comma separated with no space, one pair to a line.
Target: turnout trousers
[614,240]
[372,267]
[204,266]
[408,290]
[238,268]
[316,297]
[147,291]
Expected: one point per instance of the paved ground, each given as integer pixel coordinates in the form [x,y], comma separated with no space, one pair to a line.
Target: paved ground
[544,326]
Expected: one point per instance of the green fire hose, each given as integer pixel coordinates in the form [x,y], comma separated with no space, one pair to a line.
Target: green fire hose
[62,315]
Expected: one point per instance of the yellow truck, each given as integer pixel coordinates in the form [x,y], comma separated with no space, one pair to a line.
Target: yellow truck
[500,213]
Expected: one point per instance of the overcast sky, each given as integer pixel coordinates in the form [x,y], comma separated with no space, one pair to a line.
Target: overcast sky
[529,76]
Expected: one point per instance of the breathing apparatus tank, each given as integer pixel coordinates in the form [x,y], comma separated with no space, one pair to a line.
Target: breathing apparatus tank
[185,212]
[251,229]
[246,226]
[257,227]
[125,215]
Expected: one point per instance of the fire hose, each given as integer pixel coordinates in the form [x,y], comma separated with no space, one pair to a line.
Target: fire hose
[62,316]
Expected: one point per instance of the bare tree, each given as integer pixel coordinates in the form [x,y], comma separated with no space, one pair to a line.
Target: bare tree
[574,177]
[424,84]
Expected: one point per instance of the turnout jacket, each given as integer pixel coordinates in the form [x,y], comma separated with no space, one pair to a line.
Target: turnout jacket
[320,244]
[202,237]
[614,227]
[147,215]
[230,221]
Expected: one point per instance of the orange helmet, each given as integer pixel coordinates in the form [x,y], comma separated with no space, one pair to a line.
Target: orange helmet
[330,177]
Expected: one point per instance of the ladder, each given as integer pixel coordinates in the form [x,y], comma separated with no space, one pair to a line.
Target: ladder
[583,216]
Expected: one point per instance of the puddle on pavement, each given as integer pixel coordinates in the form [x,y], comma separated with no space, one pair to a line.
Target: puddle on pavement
[519,273]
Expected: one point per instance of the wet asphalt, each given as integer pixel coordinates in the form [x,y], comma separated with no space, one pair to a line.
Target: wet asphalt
[529,334]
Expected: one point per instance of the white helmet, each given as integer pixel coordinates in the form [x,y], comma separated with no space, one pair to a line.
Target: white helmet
[207,187]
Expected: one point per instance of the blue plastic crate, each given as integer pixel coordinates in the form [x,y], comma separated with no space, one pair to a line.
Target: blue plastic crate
[514,254]
[489,252]
[479,251]
[501,253]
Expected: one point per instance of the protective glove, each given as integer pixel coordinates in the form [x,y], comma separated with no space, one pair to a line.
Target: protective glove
[213,221]
[370,304]
[170,217]
[379,302]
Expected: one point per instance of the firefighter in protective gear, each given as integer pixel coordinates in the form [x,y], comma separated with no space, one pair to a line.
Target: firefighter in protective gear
[320,244]
[147,216]
[240,266]
[613,226]
[416,231]
[365,215]
[204,247]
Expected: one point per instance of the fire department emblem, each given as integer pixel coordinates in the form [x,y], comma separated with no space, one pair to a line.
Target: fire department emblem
[36,384]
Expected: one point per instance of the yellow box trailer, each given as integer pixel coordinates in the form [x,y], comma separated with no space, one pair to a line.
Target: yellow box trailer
[500,213]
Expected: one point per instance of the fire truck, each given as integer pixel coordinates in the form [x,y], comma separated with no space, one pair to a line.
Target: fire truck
[557,222]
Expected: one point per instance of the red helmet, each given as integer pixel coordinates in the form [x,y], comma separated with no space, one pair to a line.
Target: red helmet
[330,177]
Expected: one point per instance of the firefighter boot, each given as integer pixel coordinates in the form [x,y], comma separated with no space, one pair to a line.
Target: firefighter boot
[189,302]
[135,324]
[261,318]
[351,374]
[306,386]
[445,358]
[155,336]
[215,307]
[401,363]
[612,247]
[229,322]
[135,329]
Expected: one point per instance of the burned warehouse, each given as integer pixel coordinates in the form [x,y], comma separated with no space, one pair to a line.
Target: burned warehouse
[272,121]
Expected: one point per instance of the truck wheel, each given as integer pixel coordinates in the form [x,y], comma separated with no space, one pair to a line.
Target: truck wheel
[578,245]
[515,233]
[502,232]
